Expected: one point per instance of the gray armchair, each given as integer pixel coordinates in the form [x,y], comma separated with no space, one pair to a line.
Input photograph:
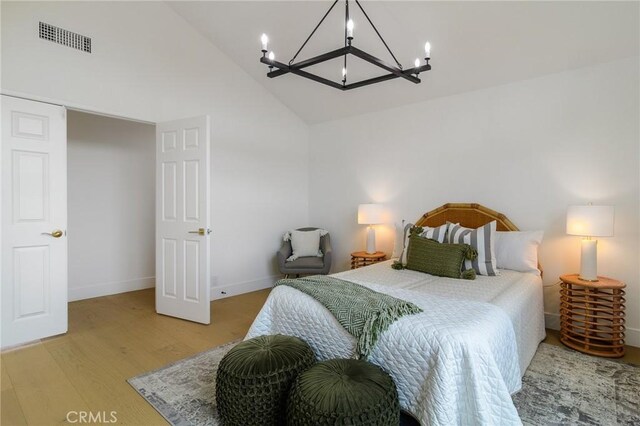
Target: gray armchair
[305,265]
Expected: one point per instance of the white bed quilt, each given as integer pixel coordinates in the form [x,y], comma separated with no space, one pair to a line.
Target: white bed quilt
[456,363]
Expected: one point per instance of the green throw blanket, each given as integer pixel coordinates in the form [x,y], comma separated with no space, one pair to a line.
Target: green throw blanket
[364,313]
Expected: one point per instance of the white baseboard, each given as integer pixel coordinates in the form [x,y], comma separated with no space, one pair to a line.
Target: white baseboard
[221,292]
[106,289]
[217,292]
[632,335]
[552,321]
[6,349]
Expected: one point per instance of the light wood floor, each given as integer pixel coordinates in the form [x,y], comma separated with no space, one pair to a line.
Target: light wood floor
[110,339]
[114,338]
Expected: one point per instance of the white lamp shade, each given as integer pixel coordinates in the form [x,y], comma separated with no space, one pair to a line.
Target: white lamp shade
[590,221]
[369,214]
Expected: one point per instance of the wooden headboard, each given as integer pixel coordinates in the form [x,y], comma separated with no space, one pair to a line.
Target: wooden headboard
[469,215]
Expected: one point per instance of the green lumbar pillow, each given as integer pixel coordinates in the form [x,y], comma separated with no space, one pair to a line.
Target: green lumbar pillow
[468,274]
[434,258]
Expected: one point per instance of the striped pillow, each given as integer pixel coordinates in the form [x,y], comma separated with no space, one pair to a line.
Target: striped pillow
[483,240]
[437,234]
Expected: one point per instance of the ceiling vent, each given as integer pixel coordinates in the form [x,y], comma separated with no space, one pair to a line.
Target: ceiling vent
[64,37]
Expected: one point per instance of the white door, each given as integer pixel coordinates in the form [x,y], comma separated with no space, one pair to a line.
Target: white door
[34,220]
[182,219]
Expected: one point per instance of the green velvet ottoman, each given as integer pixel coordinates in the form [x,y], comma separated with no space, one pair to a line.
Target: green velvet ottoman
[254,379]
[343,392]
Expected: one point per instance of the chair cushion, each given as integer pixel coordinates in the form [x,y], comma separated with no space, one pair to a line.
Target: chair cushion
[343,391]
[305,243]
[254,379]
[306,263]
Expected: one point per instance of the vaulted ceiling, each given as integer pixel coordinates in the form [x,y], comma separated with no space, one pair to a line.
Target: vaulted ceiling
[474,44]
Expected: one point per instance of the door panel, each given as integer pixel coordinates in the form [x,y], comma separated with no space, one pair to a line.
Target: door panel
[24,125]
[170,267]
[182,252]
[169,141]
[30,186]
[191,191]
[191,138]
[31,281]
[169,187]
[191,275]
[34,204]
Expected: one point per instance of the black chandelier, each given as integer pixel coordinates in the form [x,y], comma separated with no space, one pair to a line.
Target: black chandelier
[297,68]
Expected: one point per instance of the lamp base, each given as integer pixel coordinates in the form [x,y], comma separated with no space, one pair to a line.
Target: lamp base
[371,240]
[589,261]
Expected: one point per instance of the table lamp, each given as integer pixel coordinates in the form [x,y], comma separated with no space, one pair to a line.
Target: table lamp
[370,214]
[590,221]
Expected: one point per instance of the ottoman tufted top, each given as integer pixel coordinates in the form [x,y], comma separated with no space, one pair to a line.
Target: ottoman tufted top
[266,355]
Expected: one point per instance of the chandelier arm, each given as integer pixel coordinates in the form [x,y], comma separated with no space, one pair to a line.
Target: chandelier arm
[383,78]
[309,62]
[286,68]
[317,78]
[380,63]
[379,35]
[312,32]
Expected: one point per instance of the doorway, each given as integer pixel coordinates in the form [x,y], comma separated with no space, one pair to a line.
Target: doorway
[111,205]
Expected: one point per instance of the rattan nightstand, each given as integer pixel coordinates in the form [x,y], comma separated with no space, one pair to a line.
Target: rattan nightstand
[362,258]
[592,315]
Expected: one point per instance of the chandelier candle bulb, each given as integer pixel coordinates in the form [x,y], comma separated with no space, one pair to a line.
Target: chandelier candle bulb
[427,50]
[271,57]
[350,28]
[417,63]
[265,41]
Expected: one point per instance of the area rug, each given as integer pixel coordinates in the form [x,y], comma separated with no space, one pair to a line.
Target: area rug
[565,387]
[560,387]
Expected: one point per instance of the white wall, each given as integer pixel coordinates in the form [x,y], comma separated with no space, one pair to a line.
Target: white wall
[527,149]
[111,205]
[149,64]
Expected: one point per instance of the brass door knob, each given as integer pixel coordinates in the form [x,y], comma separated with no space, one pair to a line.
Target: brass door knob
[56,233]
[201,231]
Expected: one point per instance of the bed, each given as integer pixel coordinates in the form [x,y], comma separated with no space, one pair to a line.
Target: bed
[459,361]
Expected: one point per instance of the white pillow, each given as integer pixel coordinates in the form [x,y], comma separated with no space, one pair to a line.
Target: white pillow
[518,251]
[398,243]
[305,244]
